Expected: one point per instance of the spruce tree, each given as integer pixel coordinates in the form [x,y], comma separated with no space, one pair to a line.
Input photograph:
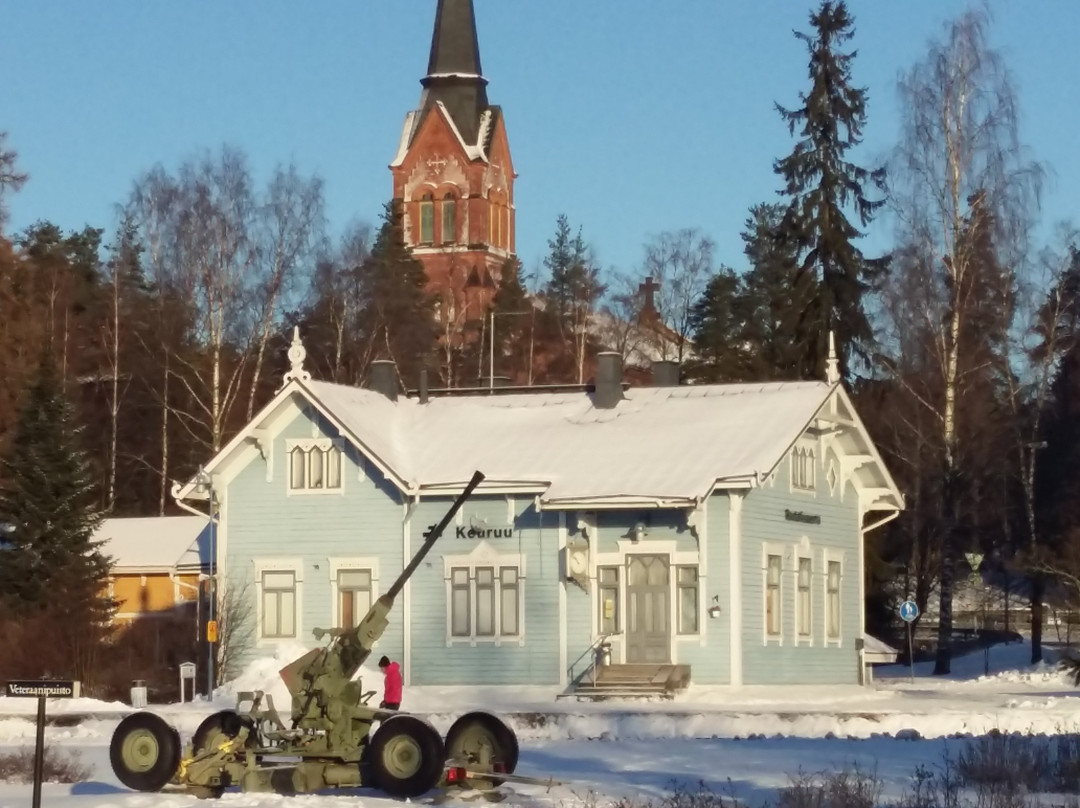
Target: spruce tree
[820,184]
[775,293]
[396,312]
[515,329]
[48,506]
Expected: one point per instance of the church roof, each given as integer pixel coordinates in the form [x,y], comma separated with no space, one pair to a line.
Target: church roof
[454,75]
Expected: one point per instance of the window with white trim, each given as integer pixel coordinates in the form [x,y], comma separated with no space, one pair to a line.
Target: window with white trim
[484,595]
[832,601]
[802,468]
[314,465]
[354,596]
[804,603]
[687,581]
[278,602]
[773,567]
[485,602]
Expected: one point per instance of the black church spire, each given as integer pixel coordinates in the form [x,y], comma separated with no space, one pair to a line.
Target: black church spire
[454,74]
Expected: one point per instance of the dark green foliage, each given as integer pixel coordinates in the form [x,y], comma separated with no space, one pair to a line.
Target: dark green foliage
[718,324]
[48,500]
[396,312]
[515,325]
[776,293]
[571,293]
[748,327]
[820,183]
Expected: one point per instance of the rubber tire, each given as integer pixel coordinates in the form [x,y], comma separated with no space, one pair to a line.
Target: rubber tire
[502,738]
[432,757]
[227,723]
[165,765]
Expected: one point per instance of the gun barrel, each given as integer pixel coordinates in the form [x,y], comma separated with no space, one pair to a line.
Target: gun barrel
[433,536]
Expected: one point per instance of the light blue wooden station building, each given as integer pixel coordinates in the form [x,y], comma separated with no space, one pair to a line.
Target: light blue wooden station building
[715,530]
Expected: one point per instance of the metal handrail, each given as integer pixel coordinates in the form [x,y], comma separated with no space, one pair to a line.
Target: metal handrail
[590,652]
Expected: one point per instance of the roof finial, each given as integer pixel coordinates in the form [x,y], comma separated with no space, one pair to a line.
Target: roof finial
[832,364]
[297,353]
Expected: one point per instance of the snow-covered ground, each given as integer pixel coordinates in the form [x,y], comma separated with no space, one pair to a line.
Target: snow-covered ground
[746,741]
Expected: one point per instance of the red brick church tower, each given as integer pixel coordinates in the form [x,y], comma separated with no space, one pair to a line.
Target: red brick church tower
[454,175]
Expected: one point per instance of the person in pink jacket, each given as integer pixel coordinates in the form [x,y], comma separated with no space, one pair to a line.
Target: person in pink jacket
[391,685]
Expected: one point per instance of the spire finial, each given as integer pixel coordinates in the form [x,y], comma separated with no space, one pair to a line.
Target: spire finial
[832,364]
[297,354]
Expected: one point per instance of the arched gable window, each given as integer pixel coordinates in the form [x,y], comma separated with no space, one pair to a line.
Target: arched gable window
[427,219]
[449,218]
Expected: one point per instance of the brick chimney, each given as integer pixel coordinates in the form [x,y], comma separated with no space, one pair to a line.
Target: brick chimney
[382,378]
[608,390]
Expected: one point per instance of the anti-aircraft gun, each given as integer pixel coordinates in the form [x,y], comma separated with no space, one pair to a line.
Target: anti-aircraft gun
[329,739]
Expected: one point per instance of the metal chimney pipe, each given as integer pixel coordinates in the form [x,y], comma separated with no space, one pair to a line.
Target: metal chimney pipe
[608,390]
[423,386]
[382,378]
[665,373]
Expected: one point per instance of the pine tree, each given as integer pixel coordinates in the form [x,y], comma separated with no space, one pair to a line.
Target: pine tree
[396,312]
[48,505]
[820,183]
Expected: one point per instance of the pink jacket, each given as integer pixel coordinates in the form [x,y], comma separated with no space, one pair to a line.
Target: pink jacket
[392,691]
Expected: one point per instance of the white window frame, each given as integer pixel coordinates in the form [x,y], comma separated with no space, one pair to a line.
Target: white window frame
[336,565]
[804,612]
[308,445]
[780,551]
[485,556]
[293,565]
[803,469]
[678,599]
[835,557]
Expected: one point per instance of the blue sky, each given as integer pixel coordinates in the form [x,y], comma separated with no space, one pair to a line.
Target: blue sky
[630,116]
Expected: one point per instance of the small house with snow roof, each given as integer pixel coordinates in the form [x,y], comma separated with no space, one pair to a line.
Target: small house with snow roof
[622,537]
[157,565]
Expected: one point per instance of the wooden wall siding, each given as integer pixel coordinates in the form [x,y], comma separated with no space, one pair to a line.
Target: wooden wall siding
[709,654]
[265,522]
[533,660]
[660,525]
[157,594]
[764,521]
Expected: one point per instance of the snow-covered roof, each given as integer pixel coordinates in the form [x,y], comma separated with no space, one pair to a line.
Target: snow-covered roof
[156,543]
[659,443]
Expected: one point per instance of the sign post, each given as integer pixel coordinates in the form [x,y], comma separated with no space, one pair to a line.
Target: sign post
[41,689]
[908,612]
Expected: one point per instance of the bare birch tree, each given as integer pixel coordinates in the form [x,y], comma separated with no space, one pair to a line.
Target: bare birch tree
[960,178]
[290,224]
[681,264]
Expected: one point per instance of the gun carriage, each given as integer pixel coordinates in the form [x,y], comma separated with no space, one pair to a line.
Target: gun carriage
[335,737]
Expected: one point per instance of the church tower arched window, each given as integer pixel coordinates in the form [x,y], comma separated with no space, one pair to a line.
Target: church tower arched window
[449,219]
[427,219]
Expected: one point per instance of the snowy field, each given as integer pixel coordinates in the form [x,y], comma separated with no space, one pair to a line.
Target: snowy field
[747,742]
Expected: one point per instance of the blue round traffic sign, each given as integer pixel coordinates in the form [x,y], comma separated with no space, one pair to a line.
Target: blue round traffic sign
[908,611]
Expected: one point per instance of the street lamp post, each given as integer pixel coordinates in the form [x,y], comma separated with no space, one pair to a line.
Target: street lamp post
[206,484]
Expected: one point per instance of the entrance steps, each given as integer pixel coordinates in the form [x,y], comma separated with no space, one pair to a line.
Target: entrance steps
[631,681]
